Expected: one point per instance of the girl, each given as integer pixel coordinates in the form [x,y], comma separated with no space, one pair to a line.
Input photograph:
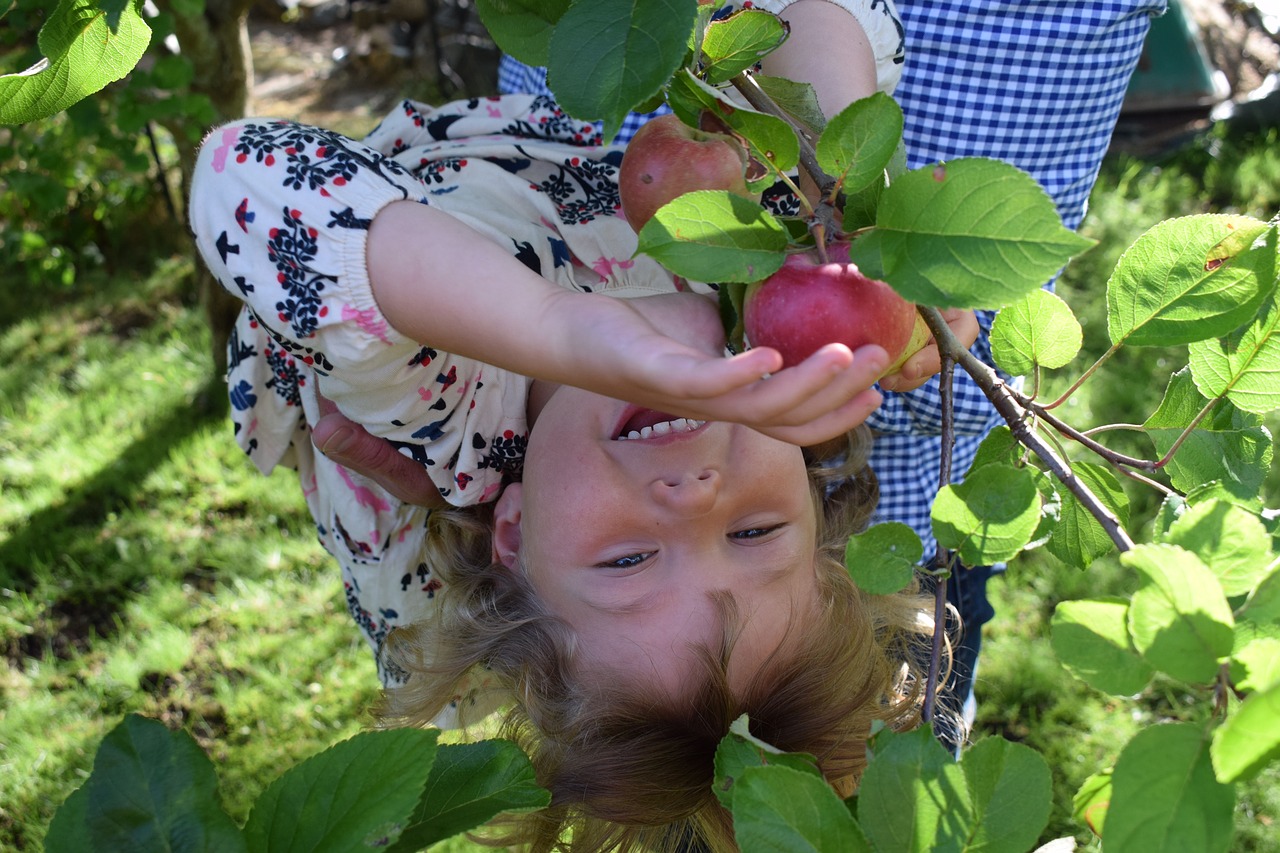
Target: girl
[636,549]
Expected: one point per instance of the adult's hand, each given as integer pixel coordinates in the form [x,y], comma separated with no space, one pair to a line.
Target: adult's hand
[918,369]
[350,445]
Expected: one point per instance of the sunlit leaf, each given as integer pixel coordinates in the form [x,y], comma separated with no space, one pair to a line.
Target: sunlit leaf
[714,235]
[1011,792]
[1091,639]
[970,233]
[1078,537]
[1179,619]
[989,517]
[1231,446]
[1171,287]
[1165,797]
[739,750]
[781,809]
[913,797]
[1245,365]
[769,139]
[796,99]
[607,56]
[1039,329]
[86,45]
[1090,803]
[738,42]
[1230,541]
[1255,657]
[522,28]
[882,559]
[860,141]
[1250,739]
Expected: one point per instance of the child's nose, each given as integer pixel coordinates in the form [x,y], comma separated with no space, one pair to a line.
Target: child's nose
[690,494]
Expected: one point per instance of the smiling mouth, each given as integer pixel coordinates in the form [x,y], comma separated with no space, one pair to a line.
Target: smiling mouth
[647,424]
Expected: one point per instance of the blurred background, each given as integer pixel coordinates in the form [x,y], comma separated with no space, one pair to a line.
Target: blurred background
[146,567]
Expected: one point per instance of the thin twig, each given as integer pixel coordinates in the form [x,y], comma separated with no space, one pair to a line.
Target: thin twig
[1083,376]
[941,557]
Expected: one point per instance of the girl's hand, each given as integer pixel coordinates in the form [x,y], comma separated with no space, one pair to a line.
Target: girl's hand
[666,352]
[918,369]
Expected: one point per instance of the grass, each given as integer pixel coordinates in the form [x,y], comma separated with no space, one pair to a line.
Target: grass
[146,567]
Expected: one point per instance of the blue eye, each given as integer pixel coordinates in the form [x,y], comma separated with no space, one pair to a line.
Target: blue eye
[628,562]
[755,532]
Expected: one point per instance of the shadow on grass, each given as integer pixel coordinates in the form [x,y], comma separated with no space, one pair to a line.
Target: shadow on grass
[68,535]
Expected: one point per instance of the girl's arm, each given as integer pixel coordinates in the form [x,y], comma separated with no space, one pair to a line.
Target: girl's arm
[441,283]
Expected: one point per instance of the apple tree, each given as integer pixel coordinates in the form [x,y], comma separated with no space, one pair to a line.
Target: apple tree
[981,234]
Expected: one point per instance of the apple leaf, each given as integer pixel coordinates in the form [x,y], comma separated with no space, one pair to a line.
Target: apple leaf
[607,56]
[1245,365]
[1011,792]
[970,233]
[777,808]
[989,517]
[1255,657]
[882,559]
[1039,329]
[860,141]
[1078,538]
[1091,801]
[769,138]
[1249,740]
[86,45]
[522,28]
[797,100]
[738,42]
[1091,639]
[1229,540]
[1165,797]
[739,749]
[913,795]
[1230,446]
[715,236]
[1172,287]
[1179,619]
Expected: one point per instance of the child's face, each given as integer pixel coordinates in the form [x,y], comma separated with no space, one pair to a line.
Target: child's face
[626,539]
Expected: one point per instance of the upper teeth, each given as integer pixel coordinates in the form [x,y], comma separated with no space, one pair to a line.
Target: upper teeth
[678,425]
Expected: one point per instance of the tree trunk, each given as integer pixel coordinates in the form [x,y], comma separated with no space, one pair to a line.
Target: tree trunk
[216,40]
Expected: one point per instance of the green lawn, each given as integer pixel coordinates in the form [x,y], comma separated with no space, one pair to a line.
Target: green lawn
[146,567]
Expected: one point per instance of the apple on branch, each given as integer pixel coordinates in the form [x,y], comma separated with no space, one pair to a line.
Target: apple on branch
[667,158]
[807,304]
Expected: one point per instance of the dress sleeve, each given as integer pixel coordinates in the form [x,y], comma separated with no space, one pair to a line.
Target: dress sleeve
[880,21]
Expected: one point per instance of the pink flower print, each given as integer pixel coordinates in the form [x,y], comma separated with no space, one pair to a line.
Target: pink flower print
[229,137]
[604,267]
[310,487]
[494,112]
[425,393]
[368,320]
[490,492]
[364,495]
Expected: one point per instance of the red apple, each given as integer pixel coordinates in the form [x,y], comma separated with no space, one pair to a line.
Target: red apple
[667,158]
[807,304]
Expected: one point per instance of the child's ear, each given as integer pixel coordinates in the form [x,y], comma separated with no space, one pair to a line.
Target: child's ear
[506,526]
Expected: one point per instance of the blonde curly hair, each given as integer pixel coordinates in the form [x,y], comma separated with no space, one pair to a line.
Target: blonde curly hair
[628,770]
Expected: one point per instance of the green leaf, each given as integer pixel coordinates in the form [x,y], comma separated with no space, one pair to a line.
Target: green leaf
[796,99]
[1078,538]
[1172,286]
[738,42]
[1165,796]
[739,750]
[1229,540]
[1179,619]
[1263,604]
[1089,805]
[990,516]
[999,447]
[714,236]
[860,141]
[355,794]
[1039,329]
[1011,791]
[607,56]
[973,233]
[882,559]
[768,138]
[1230,445]
[1245,365]
[470,784]
[69,829]
[153,789]
[1091,639]
[913,796]
[1255,657]
[522,28]
[86,45]
[781,810]
[1250,739]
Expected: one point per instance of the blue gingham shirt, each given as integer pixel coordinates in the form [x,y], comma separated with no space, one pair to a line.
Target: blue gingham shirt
[1037,84]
